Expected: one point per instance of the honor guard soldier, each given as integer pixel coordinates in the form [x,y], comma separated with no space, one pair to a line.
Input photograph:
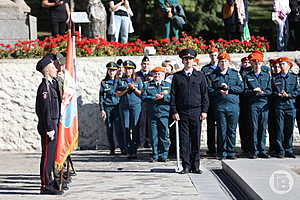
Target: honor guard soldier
[226,84]
[109,107]
[285,89]
[157,94]
[189,105]
[145,75]
[129,90]
[47,109]
[257,89]
[211,117]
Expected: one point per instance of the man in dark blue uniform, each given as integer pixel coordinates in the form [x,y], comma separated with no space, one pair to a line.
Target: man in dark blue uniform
[226,84]
[257,88]
[211,117]
[285,89]
[144,128]
[244,111]
[157,94]
[189,105]
[47,110]
[275,69]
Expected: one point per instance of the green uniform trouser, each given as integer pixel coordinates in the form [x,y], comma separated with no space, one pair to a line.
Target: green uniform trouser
[170,30]
[160,137]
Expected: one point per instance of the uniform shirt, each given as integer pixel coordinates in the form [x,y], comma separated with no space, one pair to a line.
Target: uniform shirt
[47,106]
[58,13]
[235,86]
[107,94]
[161,107]
[189,93]
[208,69]
[130,97]
[290,84]
[244,71]
[144,76]
[262,81]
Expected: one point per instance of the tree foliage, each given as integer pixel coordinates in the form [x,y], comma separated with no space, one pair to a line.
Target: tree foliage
[205,18]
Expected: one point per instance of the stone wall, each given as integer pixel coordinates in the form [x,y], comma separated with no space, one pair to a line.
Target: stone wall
[18,85]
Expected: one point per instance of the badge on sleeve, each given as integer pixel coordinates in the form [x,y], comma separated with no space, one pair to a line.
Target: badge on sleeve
[45,95]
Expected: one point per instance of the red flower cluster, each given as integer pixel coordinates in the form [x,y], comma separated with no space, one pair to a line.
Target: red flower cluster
[100,47]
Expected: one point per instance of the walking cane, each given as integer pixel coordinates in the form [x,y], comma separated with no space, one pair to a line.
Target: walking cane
[179,167]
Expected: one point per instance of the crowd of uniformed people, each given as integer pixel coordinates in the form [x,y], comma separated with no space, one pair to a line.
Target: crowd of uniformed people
[138,108]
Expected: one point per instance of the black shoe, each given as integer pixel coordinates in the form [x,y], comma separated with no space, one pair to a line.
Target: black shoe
[197,171]
[163,160]
[51,191]
[221,157]
[146,145]
[132,156]
[278,155]
[252,156]
[184,171]
[231,157]
[263,155]
[211,154]
[112,152]
[289,155]
[153,160]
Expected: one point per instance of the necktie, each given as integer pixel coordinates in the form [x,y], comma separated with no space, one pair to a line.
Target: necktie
[189,74]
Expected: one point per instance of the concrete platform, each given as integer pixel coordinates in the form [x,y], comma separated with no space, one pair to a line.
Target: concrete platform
[266,178]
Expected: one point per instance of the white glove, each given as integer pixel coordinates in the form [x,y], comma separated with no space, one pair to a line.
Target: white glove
[51,134]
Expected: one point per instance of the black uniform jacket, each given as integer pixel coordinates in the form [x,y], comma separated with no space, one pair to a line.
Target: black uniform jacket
[189,93]
[47,106]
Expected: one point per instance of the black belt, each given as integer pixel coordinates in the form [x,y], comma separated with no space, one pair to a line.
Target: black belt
[121,13]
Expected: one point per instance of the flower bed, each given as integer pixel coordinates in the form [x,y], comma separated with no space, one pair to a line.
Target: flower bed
[100,47]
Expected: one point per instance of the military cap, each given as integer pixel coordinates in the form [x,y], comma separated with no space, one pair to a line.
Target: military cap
[213,50]
[61,58]
[46,60]
[120,62]
[258,52]
[273,61]
[223,55]
[145,59]
[129,64]
[256,57]
[158,69]
[244,59]
[187,53]
[112,65]
[285,59]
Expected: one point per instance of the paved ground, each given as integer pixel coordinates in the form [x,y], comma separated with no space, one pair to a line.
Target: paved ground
[101,176]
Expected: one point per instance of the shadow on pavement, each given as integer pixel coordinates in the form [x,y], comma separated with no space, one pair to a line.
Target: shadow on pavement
[10,184]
